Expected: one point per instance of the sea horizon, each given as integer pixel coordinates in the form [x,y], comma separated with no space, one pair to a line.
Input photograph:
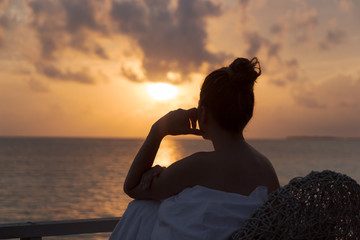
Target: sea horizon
[185,137]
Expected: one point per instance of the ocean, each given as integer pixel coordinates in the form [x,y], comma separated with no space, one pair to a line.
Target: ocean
[74,178]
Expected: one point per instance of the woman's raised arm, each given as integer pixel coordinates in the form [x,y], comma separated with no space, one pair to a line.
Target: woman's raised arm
[177,122]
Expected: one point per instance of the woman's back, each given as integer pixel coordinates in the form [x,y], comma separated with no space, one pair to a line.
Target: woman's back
[238,169]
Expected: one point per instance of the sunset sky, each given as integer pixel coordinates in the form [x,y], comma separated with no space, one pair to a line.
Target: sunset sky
[84,68]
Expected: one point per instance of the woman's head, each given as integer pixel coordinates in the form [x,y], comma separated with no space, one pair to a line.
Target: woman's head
[227,93]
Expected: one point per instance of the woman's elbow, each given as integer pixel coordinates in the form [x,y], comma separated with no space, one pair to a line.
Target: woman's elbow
[131,192]
[127,191]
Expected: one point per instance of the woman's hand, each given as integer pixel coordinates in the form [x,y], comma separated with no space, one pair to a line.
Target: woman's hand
[178,122]
[148,176]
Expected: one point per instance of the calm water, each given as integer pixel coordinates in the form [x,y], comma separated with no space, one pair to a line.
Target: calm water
[68,178]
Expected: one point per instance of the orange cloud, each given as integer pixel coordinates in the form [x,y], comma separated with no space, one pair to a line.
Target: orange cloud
[171,38]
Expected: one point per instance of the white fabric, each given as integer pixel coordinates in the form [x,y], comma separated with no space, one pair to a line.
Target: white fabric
[137,222]
[195,213]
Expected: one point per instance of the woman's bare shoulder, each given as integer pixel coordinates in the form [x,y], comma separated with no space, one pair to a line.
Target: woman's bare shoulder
[195,160]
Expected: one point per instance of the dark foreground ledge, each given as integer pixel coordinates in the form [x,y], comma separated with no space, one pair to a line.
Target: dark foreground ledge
[37,230]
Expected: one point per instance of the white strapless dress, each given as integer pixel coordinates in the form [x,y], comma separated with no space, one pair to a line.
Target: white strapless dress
[194,213]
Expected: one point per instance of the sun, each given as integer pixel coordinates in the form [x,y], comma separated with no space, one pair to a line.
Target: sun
[162,91]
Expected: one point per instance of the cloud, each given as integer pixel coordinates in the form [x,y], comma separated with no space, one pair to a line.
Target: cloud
[101,52]
[244,5]
[4,22]
[308,101]
[274,49]
[346,5]
[131,17]
[280,70]
[67,24]
[333,38]
[9,19]
[131,75]
[3,4]
[292,69]
[55,73]
[277,28]
[171,34]
[255,41]
[305,23]
[338,93]
[299,24]
[286,72]
[343,89]
[2,41]
[172,37]
[80,14]
[37,86]
[281,26]
[48,24]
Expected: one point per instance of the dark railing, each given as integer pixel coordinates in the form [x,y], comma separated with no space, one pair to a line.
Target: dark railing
[37,230]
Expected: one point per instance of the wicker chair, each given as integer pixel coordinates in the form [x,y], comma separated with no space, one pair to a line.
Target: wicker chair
[322,205]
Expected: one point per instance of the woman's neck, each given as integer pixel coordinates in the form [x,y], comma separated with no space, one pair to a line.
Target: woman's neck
[222,139]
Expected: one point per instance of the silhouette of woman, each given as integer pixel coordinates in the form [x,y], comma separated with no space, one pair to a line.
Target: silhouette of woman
[231,181]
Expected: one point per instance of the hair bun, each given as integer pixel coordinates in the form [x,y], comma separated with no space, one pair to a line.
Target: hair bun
[245,71]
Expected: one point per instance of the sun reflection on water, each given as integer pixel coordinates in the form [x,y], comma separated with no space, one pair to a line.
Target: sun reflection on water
[169,152]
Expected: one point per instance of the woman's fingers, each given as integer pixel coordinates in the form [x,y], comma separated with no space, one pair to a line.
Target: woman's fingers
[193,117]
[148,176]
